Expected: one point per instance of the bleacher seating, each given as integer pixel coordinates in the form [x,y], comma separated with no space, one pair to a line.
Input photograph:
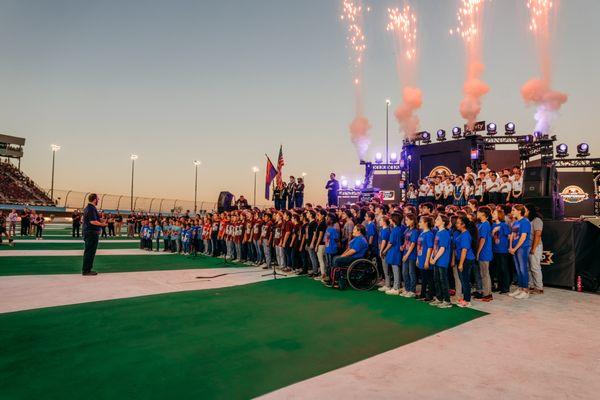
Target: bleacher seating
[18,188]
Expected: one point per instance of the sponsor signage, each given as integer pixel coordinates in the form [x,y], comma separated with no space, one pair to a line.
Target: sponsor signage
[574,194]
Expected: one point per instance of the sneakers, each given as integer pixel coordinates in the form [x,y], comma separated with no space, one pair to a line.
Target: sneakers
[89,273]
[464,304]
[477,295]
[487,298]
[444,304]
[515,293]
[409,295]
[522,295]
[384,288]
[435,302]
[393,292]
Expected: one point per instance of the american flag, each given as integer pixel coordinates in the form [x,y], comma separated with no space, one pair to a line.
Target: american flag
[280,164]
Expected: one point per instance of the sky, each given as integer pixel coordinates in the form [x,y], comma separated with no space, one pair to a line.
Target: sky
[227,81]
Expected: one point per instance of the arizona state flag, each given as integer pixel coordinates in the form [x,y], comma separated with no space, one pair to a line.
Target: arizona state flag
[271,173]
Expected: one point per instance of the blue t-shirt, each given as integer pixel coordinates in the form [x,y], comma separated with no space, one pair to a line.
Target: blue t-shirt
[442,239]
[500,238]
[424,243]
[157,232]
[520,227]
[359,245]
[411,236]
[485,232]
[394,254]
[384,235]
[332,236]
[371,231]
[463,241]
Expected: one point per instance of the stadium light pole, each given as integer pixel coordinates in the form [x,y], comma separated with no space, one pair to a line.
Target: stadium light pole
[54,148]
[196,164]
[387,125]
[133,158]
[255,170]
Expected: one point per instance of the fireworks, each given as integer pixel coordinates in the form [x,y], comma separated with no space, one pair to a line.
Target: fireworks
[404,26]
[468,19]
[352,15]
[539,11]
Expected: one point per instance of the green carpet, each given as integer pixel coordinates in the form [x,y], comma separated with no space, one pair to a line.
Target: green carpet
[33,265]
[229,343]
[112,244]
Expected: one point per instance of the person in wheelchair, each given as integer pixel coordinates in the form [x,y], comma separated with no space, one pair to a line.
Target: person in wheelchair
[357,248]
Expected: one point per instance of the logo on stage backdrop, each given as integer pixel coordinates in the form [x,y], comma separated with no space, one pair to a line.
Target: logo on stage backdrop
[547,258]
[439,170]
[574,194]
[388,195]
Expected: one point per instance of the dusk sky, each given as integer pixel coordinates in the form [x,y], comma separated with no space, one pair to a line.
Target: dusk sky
[227,81]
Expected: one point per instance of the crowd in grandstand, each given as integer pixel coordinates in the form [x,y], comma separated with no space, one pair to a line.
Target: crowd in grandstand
[17,188]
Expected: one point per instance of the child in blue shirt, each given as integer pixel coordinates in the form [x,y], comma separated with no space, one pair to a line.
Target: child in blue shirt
[500,233]
[424,249]
[157,235]
[440,259]
[332,244]
[484,251]
[384,238]
[393,252]
[519,247]
[409,258]
[465,257]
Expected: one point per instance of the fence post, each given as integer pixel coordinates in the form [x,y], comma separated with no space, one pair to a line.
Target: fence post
[84,199]
[67,197]
[151,201]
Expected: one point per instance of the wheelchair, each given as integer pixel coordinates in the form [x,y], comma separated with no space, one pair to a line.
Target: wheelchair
[361,274]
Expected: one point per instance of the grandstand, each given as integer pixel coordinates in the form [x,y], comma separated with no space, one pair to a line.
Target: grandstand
[15,186]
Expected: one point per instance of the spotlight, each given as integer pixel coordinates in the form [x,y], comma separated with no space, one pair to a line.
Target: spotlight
[510,128]
[344,183]
[441,135]
[426,137]
[357,183]
[456,132]
[538,135]
[378,158]
[562,150]
[583,150]
[393,158]
[526,139]
[491,129]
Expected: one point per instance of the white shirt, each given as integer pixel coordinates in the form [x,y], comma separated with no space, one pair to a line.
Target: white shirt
[13,217]
[485,171]
[479,190]
[471,175]
[505,187]
[448,189]
[429,191]
[491,185]
[439,188]
[412,194]
[423,189]
[517,185]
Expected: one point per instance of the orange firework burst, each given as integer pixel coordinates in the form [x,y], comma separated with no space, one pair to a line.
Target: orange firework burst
[404,25]
[539,11]
[468,19]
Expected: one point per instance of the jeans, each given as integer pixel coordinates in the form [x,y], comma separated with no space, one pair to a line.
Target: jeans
[267,250]
[299,200]
[280,256]
[340,261]
[386,272]
[427,283]
[478,280]
[289,259]
[440,277]
[305,261]
[157,244]
[238,251]
[258,250]
[486,280]
[312,254]
[409,274]
[465,279]
[321,257]
[91,245]
[501,266]
[521,265]
[457,284]
[535,269]
[396,271]
[76,230]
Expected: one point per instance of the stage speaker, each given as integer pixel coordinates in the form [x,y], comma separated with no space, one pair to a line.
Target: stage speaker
[540,182]
[551,207]
[224,202]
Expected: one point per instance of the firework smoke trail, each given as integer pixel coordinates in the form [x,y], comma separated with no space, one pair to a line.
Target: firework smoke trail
[538,91]
[352,15]
[403,24]
[469,17]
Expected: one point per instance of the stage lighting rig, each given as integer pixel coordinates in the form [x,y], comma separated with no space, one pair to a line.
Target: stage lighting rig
[426,137]
[393,158]
[441,135]
[562,150]
[378,158]
[456,132]
[491,129]
[510,128]
[583,150]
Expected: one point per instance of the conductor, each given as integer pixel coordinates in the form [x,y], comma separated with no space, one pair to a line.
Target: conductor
[92,224]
